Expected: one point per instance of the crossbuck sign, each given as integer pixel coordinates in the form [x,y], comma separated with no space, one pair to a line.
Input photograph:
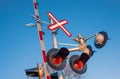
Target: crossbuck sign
[58,24]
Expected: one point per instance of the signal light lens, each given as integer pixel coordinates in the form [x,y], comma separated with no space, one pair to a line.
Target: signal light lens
[101,39]
[57,60]
[78,65]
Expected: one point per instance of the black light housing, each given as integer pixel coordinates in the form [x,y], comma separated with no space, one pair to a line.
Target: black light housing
[73,60]
[57,58]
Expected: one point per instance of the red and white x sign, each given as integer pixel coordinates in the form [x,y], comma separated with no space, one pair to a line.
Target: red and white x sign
[58,24]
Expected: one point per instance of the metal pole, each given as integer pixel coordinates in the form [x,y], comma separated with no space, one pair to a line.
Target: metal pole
[54,32]
[40,32]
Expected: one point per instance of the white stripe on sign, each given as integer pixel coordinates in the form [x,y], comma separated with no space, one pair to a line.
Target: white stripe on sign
[54,26]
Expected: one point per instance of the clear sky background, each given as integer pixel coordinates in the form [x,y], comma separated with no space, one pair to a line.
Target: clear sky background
[19,45]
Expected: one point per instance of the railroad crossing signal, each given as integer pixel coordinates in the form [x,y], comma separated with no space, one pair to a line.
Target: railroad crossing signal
[56,58]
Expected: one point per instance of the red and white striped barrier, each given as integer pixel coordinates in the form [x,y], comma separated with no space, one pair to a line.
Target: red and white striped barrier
[40,32]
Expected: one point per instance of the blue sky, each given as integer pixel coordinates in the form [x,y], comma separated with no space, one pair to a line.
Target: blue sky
[19,45]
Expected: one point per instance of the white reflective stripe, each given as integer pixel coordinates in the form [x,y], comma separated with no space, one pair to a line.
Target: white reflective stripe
[52,17]
[66,31]
[58,25]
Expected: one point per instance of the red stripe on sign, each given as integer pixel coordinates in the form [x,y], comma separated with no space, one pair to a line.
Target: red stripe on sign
[48,77]
[35,5]
[44,55]
[41,35]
